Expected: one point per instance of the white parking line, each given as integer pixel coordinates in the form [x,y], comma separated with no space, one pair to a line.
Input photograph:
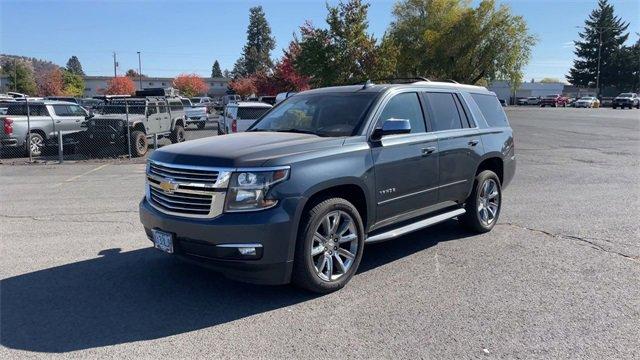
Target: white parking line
[81,175]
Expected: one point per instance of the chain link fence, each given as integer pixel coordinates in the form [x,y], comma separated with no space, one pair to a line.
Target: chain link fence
[41,130]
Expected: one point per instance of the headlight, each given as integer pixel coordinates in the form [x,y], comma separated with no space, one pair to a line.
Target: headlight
[248,190]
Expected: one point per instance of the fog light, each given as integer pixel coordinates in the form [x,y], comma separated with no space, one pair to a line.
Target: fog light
[247,251]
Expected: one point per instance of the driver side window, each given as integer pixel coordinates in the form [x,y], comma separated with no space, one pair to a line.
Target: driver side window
[405,106]
[151,109]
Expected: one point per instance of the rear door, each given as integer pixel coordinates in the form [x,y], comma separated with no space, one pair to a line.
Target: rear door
[152,119]
[405,165]
[459,144]
[164,119]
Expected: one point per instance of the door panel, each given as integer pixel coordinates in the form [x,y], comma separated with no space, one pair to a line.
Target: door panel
[458,160]
[406,176]
[406,166]
[151,121]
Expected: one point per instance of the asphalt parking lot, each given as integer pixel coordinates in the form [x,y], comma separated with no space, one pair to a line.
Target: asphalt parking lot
[557,278]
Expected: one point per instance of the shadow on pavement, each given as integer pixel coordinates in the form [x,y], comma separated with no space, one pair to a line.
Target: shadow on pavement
[144,294]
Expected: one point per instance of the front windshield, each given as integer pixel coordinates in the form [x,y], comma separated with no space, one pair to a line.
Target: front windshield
[327,114]
[626,95]
[118,107]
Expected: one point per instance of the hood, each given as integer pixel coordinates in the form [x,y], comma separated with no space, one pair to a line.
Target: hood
[245,149]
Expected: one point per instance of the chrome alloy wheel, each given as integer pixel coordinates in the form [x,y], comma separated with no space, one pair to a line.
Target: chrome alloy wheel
[488,202]
[36,143]
[334,246]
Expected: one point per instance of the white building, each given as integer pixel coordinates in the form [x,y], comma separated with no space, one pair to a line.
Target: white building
[537,89]
[95,85]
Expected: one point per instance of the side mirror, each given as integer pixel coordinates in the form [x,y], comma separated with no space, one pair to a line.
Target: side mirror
[392,127]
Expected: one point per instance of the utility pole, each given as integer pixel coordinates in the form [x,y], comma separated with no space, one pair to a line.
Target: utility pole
[15,75]
[139,71]
[599,56]
[115,65]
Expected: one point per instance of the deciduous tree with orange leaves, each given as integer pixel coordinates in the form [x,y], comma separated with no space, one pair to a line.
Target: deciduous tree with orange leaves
[244,86]
[51,84]
[190,85]
[120,85]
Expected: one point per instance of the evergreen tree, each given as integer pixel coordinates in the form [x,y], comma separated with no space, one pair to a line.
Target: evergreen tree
[256,54]
[216,72]
[603,36]
[20,76]
[627,62]
[74,66]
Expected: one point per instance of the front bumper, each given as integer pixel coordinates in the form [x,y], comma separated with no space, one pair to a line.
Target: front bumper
[198,240]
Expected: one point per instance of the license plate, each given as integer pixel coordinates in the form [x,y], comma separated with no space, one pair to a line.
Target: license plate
[163,241]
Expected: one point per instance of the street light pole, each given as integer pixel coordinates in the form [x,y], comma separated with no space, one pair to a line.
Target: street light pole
[599,56]
[139,71]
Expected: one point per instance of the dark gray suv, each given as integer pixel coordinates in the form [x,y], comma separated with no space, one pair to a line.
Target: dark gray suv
[297,196]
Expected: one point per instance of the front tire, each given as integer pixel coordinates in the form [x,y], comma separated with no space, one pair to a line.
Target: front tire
[484,204]
[329,246]
[177,135]
[139,143]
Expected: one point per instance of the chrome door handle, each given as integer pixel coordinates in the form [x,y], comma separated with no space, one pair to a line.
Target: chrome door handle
[473,142]
[58,121]
[428,150]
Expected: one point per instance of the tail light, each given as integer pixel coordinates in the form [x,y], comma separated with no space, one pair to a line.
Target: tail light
[234,125]
[8,126]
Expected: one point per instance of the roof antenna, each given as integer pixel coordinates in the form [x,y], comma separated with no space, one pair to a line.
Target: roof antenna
[367,84]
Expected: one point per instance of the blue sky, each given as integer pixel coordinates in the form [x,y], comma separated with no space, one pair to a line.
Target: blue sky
[186,36]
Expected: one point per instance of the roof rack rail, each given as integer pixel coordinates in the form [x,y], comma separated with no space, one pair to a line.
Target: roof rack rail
[403,80]
[452,81]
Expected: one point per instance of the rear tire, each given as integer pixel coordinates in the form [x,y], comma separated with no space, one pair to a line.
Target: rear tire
[484,204]
[329,246]
[177,135]
[139,143]
[36,143]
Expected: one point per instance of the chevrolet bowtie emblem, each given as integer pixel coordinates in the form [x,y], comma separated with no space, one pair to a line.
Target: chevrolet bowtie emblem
[168,186]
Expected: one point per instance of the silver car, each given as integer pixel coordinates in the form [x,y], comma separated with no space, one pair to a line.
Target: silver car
[46,118]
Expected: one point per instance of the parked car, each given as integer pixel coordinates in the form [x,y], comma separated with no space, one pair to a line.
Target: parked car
[64,98]
[532,100]
[296,197]
[194,114]
[587,102]
[239,116]
[554,101]
[271,100]
[522,101]
[230,98]
[203,101]
[17,95]
[46,118]
[623,100]
[284,95]
[148,117]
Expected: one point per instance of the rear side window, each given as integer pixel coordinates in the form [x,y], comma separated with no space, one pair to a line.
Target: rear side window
[21,110]
[491,110]
[251,112]
[162,107]
[445,111]
[405,106]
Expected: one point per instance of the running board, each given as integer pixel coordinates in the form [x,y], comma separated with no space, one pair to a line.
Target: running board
[391,234]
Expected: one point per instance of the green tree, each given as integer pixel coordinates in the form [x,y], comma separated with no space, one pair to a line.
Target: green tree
[603,37]
[256,54]
[74,66]
[449,39]
[216,72]
[345,52]
[628,66]
[549,80]
[73,84]
[20,76]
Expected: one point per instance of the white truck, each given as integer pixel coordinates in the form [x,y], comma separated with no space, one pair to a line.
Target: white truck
[195,113]
[238,116]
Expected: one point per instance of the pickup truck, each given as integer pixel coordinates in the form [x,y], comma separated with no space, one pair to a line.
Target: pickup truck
[46,119]
[297,196]
[195,114]
[554,101]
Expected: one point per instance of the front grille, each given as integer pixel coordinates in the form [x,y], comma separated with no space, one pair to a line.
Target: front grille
[106,125]
[182,174]
[186,191]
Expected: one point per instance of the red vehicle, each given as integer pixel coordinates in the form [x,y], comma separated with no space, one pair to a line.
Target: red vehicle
[554,100]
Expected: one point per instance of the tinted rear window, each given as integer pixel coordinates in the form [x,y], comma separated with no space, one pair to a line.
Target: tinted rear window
[445,111]
[491,110]
[251,112]
[21,110]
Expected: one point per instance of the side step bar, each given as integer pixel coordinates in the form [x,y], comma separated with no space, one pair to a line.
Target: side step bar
[391,234]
